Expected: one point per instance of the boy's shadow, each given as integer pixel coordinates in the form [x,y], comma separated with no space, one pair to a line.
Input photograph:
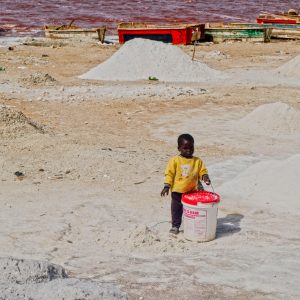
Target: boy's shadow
[229,225]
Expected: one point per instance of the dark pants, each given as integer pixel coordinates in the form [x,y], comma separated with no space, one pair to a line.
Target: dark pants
[176,209]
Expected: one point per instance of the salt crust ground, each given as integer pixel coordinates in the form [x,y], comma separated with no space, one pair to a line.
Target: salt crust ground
[89,199]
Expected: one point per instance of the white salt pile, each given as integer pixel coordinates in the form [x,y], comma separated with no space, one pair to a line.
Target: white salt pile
[272,185]
[271,119]
[291,68]
[31,279]
[139,59]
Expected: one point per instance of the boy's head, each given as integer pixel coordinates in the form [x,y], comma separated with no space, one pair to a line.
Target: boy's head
[186,145]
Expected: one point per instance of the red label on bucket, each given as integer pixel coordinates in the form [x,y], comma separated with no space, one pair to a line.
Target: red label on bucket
[193,213]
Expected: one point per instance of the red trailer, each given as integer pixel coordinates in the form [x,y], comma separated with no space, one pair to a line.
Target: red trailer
[169,33]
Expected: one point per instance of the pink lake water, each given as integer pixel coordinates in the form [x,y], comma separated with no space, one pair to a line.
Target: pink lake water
[27,17]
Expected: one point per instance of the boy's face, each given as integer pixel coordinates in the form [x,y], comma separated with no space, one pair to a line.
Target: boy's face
[186,149]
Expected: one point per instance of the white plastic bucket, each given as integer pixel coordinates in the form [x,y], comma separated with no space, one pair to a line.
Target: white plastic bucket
[200,211]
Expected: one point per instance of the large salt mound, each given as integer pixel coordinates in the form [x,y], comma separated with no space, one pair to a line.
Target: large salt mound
[271,119]
[140,58]
[291,68]
[273,185]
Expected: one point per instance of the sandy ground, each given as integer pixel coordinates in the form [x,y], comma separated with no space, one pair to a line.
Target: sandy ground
[93,156]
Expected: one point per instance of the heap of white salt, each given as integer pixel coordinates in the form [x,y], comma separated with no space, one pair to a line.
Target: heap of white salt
[272,184]
[271,119]
[291,68]
[139,59]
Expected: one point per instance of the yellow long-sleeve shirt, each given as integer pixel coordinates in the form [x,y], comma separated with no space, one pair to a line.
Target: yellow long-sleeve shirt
[182,174]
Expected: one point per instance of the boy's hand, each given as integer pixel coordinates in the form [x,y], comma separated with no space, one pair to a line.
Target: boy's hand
[165,191]
[206,179]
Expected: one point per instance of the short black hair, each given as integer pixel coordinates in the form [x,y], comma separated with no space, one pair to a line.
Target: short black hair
[184,137]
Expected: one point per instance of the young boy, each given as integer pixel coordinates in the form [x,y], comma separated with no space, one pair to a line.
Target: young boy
[181,176]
